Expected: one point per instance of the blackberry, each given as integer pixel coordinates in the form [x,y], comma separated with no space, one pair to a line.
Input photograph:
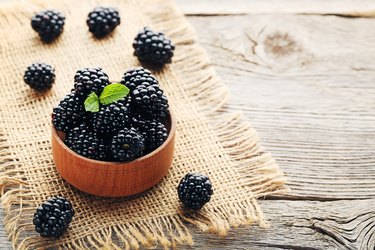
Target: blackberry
[69,112]
[86,143]
[113,117]
[127,145]
[52,218]
[39,76]
[102,21]
[49,24]
[89,80]
[153,47]
[150,101]
[134,77]
[154,132]
[194,190]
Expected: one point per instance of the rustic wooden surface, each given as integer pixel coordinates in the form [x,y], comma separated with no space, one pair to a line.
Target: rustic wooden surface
[303,72]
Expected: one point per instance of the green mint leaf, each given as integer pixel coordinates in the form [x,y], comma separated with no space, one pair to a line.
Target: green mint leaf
[113,92]
[92,103]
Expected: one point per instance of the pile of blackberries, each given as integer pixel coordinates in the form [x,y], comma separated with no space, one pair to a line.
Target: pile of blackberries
[121,130]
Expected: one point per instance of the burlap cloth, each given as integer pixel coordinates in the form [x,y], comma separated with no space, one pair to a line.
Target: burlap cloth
[209,140]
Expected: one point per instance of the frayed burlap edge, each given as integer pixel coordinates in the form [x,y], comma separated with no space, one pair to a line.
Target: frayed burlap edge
[257,170]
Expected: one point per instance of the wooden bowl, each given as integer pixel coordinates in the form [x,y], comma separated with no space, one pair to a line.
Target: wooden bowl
[114,179]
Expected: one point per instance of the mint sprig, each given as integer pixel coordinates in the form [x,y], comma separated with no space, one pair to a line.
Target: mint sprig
[92,103]
[111,93]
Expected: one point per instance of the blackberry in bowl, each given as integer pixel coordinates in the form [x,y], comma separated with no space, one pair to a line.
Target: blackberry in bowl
[88,80]
[105,143]
[134,77]
[114,178]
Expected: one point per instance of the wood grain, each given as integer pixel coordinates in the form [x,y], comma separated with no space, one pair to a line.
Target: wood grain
[304,225]
[306,83]
[308,91]
[243,7]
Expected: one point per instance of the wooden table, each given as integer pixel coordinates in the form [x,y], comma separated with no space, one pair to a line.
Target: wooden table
[304,74]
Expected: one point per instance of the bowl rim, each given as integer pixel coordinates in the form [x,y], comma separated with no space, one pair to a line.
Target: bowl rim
[171,134]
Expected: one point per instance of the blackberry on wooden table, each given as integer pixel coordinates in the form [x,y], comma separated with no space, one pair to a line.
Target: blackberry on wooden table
[53,217]
[153,47]
[49,24]
[39,76]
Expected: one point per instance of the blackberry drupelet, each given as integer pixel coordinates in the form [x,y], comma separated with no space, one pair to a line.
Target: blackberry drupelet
[137,122]
[39,76]
[102,21]
[49,24]
[127,145]
[113,117]
[86,143]
[69,113]
[149,101]
[89,80]
[52,218]
[154,132]
[194,190]
[134,77]
[153,47]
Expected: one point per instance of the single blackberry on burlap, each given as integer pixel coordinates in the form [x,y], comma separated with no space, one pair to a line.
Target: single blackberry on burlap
[49,24]
[39,76]
[194,190]
[53,217]
[102,21]
[153,47]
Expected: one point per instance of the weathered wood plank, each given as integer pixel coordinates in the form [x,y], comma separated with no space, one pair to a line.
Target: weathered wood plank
[306,85]
[4,243]
[242,7]
[296,225]
[304,224]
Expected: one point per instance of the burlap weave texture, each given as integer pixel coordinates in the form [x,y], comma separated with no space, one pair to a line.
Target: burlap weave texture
[209,140]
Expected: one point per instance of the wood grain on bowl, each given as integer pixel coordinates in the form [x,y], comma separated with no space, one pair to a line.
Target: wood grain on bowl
[114,179]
